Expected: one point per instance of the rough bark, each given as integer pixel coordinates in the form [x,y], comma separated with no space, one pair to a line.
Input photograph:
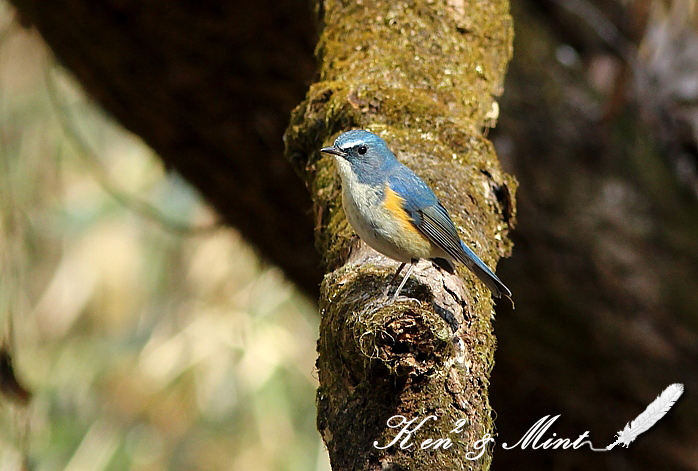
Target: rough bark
[422,75]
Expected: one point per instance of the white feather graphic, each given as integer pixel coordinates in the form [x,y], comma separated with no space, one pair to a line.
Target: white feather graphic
[655,411]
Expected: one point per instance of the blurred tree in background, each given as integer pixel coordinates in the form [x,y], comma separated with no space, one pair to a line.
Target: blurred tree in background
[150,347]
[146,345]
[599,123]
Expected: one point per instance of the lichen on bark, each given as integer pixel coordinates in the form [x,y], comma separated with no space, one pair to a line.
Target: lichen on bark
[423,75]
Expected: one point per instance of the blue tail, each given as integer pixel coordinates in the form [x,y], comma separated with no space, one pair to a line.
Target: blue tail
[477,266]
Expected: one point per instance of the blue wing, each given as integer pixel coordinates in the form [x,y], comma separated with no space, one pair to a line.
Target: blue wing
[431,219]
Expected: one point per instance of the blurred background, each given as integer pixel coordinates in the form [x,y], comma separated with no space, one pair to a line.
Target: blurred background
[149,336]
[152,339]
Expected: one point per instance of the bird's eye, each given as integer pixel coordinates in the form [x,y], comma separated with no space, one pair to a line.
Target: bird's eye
[362,149]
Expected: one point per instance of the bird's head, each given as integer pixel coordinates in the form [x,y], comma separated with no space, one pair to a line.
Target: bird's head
[362,150]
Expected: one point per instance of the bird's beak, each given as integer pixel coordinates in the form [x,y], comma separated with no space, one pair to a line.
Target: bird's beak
[333,151]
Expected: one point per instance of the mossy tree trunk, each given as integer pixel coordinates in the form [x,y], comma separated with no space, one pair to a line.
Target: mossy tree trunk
[424,77]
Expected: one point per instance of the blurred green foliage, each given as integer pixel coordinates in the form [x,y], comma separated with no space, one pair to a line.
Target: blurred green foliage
[146,347]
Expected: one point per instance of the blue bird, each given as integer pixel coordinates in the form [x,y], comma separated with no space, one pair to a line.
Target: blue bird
[396,213]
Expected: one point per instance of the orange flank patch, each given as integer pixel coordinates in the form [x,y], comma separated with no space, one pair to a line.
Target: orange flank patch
[394,204]
[400,232]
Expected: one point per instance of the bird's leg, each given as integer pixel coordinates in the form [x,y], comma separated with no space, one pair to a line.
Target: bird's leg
[392,280]
[404,280]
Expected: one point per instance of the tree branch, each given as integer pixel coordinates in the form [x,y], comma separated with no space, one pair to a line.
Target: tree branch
[424,77]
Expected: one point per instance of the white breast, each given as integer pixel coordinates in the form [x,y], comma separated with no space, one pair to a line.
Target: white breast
[372,221]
